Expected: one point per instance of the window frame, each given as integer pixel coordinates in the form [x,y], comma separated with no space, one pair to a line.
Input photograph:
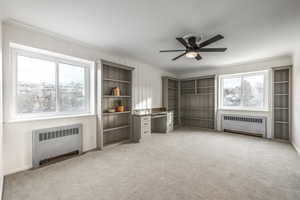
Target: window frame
[88,66]
[265,107]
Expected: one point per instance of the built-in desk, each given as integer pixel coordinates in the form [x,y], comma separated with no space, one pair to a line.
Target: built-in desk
[162,122]
[151,122]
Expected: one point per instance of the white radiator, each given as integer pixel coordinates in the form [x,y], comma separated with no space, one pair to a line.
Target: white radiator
[248,124]
[52,142]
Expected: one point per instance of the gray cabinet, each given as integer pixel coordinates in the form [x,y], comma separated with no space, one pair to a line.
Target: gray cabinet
[115,126]
[198,102]
[192,101]
[171,94]
[282,103]
[141,127]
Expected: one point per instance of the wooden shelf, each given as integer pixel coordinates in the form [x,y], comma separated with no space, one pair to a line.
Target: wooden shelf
[209,93]
[111,96]
[280,82]
[281,122]
[171,88]
[188,93]
[187,88]
[115,80]
[278,108]
[116,113]
[206,87]
[115,128]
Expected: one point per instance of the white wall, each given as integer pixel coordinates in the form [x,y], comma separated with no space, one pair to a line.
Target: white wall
[18,139]
[246,67]
[296,100]
[147,88]
[1,114]
[17,135]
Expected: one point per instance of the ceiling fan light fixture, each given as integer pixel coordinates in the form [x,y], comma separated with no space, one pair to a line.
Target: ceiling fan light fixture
[193,47]
[191,54]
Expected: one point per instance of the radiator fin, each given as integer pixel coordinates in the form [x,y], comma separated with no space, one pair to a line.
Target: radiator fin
[57,133]
[243,119]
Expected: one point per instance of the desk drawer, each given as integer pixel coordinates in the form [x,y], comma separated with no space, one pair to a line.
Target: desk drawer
[146,124]
[146,132]
[146,119]
[142,127]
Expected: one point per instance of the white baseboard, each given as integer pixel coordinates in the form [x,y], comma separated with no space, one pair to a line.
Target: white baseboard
[296,148]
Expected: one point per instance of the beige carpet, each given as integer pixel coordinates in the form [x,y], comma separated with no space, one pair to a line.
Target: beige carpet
[184,165]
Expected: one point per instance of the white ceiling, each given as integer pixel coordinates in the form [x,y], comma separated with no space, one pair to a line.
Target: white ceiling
[138,29]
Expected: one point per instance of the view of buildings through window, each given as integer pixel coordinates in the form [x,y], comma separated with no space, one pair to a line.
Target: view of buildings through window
[244,91]
[72,95]
[46,86]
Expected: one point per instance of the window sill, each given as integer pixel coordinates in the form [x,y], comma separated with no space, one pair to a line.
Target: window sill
[49,118]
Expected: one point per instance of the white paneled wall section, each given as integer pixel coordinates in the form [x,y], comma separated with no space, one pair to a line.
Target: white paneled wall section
[147,87]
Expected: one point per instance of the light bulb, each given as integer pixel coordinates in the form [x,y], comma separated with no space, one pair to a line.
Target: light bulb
[191,54]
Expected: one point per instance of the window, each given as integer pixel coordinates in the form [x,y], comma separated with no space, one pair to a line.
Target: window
[36,92]
[72,95]
[244,91]
[47,85]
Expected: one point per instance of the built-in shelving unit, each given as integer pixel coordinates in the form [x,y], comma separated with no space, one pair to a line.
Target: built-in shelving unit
[198,102]
[170,97]
[281,102]
[115,126]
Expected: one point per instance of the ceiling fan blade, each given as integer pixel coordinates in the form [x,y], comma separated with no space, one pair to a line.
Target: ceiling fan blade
[211,50]
[162,51]
[192,42]
[182,41]
[211,40]
[179,56]
[198,57]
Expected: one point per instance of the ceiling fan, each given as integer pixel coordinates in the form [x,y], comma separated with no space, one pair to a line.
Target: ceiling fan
[192,49]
